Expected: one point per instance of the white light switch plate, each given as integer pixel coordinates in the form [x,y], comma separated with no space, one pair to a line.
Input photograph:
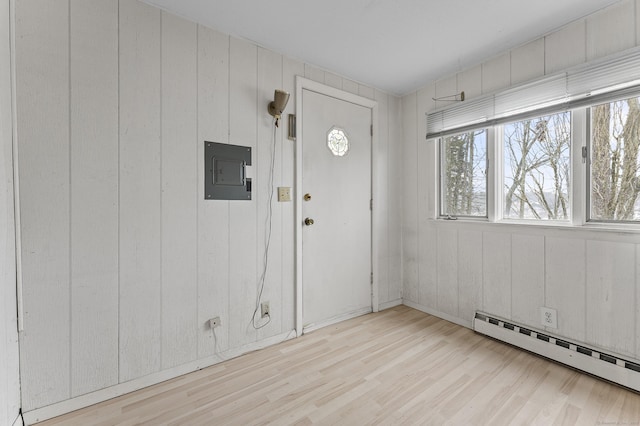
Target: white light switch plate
[284,193]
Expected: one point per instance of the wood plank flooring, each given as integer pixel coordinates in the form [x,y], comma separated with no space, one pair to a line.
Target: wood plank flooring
[396,367]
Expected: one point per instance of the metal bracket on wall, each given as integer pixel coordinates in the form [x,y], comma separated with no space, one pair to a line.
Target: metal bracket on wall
[292,127]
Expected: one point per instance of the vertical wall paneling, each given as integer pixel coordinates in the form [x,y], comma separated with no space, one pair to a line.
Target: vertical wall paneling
[611,30]
[470,81]
[410,214]
[427,294]
[179,191]
[527,62]
[94,195]
[565,47]
[444,88]
[637,21]
[381,208]
[333,80]
[290,69]
[213,215]
[350,86]
[447,267]
[242,218]
[469,273]
[366,91]
[427,151]
[269,79]
[42,40]
[313,73]
[140,184]
[9,356]
[496,73]
[610,290]
[527,260]
[496,267]
[396,197]
[427,252]
[565,284]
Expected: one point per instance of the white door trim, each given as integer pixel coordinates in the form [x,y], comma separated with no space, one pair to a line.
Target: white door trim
[306,84]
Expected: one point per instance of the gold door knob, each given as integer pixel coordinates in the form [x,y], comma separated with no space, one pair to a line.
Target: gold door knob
[307,197]
[308,221]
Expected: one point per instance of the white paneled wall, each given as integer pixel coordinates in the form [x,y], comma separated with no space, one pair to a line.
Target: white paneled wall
[123,259]
[43,121]
[9,364]
[454,268]
[392,230]
[179,194]
[93,152]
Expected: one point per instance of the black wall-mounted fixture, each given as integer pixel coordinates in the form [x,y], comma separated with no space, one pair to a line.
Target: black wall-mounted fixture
[279,103]
[225,171]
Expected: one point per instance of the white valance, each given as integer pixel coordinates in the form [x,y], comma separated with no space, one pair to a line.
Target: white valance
[596,82]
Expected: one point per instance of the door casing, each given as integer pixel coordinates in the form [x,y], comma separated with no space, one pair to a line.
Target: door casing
[306,84]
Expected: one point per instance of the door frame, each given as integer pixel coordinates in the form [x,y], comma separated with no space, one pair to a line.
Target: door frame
[306,84]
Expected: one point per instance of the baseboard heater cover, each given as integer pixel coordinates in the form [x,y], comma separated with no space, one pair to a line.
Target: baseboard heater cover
[593,361]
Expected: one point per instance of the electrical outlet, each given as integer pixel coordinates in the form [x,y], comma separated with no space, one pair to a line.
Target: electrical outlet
[214,322]
[549,317]
[264,309]
[284,193]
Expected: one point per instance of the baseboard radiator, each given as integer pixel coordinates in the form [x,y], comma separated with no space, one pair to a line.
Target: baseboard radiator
[593,361]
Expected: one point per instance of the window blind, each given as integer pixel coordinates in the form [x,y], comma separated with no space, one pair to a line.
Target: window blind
[588,84]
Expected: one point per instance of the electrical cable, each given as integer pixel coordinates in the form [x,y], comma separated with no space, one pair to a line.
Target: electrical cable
[216,348]
[268,226]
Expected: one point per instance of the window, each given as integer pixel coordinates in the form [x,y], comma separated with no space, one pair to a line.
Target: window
[536,168]
[614,170]
[463,166]
[562,149]
[338,142]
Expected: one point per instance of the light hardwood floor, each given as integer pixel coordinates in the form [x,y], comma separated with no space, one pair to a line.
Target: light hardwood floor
[399,366]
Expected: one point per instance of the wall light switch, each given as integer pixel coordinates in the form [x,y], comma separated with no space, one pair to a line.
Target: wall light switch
[284,193]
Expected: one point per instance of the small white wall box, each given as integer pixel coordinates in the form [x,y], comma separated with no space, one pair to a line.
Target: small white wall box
[225,175]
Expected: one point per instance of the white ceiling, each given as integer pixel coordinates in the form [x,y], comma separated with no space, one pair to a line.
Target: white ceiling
[394,45]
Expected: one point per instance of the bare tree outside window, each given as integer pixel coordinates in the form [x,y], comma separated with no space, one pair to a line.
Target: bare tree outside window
[615,170]
[537,157]
[464,177]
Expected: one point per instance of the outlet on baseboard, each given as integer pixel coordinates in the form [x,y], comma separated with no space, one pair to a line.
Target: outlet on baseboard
[549,317]
[264,310]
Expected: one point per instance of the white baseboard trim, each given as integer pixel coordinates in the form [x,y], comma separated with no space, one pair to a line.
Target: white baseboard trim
[69,405]
[438,314]
[391,304]
[336,319]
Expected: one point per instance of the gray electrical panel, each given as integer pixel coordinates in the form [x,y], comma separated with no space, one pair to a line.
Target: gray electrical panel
[225,174]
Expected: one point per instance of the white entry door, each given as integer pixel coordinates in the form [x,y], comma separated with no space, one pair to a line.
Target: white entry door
[336,190]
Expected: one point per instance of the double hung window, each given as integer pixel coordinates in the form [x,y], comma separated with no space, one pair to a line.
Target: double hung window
[533,167]
[614,167]
[463,171]
[564,149]
[536,168]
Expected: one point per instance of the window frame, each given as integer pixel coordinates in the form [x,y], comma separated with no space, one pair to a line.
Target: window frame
[579,175]
[588,219]
[501,163]
[441,181]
